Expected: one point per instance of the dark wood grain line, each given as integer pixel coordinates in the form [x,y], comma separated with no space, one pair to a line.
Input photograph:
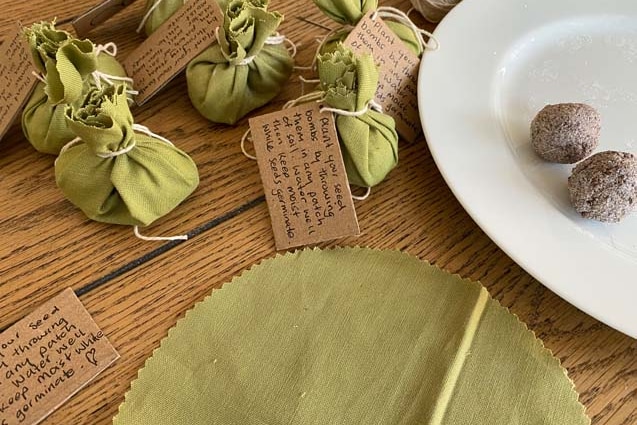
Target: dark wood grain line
[168,246]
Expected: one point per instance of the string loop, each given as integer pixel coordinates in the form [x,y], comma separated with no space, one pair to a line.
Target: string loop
[385,12]
[372,104]
[158,238]
[363,197]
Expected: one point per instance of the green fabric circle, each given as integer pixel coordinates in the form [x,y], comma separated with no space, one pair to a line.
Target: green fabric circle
[351,336]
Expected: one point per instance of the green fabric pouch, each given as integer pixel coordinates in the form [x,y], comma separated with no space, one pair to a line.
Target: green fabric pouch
[157,12]
[369,141]
[114,172]
[245,69]
[68,66]
[350,12]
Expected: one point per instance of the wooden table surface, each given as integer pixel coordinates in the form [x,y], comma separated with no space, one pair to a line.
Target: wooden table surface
[137,290]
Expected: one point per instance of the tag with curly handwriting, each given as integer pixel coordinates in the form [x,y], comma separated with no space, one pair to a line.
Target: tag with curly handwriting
[16,79]
[47,357]
[303,176]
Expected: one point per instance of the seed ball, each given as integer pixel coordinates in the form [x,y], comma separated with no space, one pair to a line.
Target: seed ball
[566,133]
[604,186]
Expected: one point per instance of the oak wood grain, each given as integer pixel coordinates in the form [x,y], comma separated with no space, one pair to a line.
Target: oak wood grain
[48,245]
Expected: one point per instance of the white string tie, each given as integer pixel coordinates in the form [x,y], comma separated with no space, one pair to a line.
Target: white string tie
[400,16]
[314,96]
[143,129]
[39,76]
[246,61]
[365,196]
[109,79]
[67,147]
[158,238]
[247,136]
[116,153]
[108,48]
[309,80]
[280,39]
[372,104]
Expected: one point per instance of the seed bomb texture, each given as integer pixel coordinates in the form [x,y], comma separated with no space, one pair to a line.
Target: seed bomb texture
[604,186]
[566,133]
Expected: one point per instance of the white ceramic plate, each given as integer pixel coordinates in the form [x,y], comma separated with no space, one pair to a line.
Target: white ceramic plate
[499,63]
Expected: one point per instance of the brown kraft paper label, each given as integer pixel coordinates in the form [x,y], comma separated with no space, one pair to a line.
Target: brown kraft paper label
[93,17]
[303,176]
[176,42]
[16,79]
[47,357]
[398,82]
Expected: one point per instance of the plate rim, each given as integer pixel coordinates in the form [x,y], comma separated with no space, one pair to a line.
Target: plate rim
[463,14]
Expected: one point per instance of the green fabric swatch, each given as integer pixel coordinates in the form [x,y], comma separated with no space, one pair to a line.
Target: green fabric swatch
[350,336]
[134,188]
[369,142]
[67,65]
[349,12]
[241,72]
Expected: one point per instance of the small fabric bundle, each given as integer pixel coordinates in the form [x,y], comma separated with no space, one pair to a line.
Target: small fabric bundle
[245,69]
[70,68]
[368,137]
[119,172]
[349,13]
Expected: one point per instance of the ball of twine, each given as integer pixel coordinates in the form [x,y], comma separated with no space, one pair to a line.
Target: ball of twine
[434,10]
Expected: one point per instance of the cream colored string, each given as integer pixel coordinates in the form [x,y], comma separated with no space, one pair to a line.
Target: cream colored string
[140,129]
[247,136]
[365,196]
[39,76]
[98,76]
[372,104]
[401,17]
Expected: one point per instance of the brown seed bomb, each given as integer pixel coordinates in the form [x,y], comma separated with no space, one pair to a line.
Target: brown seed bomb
[566,132]
[604,186]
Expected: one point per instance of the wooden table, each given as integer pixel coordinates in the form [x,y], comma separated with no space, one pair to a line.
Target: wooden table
[137,290]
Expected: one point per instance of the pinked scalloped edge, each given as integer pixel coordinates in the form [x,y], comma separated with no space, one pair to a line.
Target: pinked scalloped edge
[296,253]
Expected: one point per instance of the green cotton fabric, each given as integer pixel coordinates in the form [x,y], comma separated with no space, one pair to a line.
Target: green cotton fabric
[163,11]
[350,336]
[133,188]
[350,12]
[67,65]
[221,86]
[369,142]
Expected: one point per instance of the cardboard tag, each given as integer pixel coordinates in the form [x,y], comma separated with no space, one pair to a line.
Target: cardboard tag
[16,79]
[398,82]
[47,357]
[303,175]
[175,43]
[93,17]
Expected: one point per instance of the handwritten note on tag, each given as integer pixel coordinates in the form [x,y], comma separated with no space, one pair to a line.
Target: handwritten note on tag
[302,171]
[47,357]
[84,23]
[16,79]
[398,83]
[175,43]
